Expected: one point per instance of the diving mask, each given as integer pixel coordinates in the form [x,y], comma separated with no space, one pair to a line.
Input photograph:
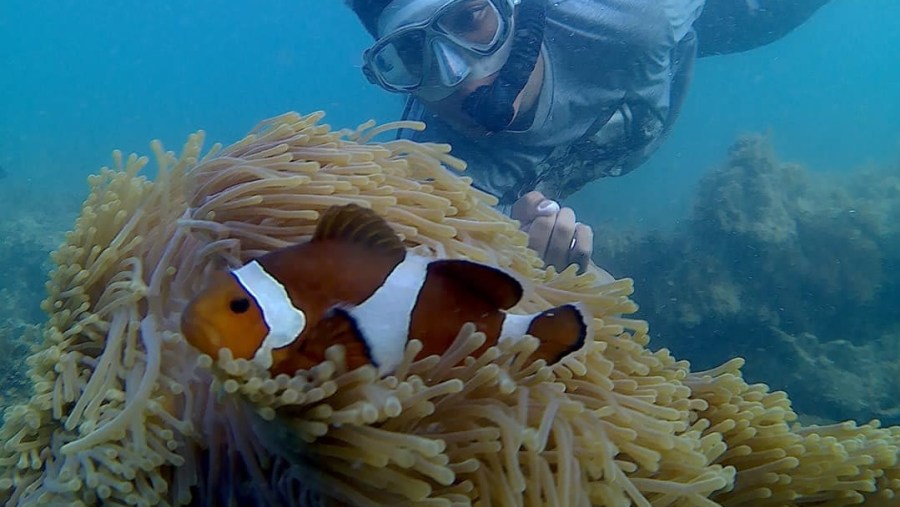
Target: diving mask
[431,46]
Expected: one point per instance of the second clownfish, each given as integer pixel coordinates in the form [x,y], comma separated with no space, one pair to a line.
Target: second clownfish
[356,284]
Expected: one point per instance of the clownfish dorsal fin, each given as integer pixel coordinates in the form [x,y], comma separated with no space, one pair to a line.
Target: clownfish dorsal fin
[490,283]
[355,224]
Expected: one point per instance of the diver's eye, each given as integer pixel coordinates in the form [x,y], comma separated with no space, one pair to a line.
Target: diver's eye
[240,305]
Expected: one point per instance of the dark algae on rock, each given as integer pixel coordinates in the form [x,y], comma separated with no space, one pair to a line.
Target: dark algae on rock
[793,269]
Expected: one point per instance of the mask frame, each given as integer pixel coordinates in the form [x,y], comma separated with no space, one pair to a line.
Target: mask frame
[447,60]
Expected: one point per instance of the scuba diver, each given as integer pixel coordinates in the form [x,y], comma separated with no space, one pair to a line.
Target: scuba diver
[541,97]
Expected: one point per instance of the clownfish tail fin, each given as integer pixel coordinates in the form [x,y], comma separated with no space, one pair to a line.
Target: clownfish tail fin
[561,330]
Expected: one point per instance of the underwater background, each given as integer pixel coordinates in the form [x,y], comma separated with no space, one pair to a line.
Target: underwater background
[765,227]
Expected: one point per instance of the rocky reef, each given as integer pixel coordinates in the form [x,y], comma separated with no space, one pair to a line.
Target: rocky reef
[793,269]
[32,226]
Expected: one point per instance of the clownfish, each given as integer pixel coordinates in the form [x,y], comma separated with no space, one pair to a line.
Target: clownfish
[355,283]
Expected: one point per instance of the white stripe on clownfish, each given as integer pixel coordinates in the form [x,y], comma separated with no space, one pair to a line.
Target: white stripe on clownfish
[384,318]
[515,327]
[284,320]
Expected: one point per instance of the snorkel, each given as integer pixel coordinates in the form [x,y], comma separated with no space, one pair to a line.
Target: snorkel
[492,106]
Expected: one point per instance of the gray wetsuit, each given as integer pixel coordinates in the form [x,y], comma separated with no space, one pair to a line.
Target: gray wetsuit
[616,74]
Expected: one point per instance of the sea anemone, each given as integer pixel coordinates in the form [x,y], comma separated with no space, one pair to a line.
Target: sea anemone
[125,412]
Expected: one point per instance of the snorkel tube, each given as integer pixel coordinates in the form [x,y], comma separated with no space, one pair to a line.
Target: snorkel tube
[491,106]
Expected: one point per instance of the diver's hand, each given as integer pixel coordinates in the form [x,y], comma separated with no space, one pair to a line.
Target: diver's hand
[553,232]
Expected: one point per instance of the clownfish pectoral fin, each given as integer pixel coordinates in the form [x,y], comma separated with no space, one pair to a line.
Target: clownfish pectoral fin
[355,224]
[492,284]
[344,331]
[561,330]
[337,327]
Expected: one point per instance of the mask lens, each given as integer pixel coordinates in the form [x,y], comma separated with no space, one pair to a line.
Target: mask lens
[475,23]
[399,60]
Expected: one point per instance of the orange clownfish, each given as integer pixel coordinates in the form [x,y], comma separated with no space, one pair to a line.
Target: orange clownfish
[355,284]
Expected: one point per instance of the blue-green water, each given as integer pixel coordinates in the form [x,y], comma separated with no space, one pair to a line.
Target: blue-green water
[78,79]
[81,78]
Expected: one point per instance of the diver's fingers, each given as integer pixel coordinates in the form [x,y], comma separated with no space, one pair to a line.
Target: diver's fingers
[539,234]
[561,240]
[531,206]
[583,246]
[525,209]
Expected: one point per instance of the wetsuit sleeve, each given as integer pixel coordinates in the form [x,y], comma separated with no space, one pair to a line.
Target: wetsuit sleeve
[732,26]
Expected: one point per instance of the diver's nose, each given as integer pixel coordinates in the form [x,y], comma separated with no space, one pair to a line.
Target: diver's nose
[452,68]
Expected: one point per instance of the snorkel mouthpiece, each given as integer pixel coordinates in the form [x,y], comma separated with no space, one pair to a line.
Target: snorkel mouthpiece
[491,106]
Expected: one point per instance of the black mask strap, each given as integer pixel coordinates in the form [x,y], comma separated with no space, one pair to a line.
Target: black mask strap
[491,106]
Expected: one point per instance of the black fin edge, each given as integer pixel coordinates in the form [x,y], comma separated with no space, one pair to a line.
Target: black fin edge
[362,338]
[582,334]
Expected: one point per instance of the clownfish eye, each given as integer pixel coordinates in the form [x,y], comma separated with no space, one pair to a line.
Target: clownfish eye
[239,305]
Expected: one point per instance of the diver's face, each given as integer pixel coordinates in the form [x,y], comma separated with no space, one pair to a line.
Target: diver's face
[451,107]
[439,48]
[472,20]
[475,22]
